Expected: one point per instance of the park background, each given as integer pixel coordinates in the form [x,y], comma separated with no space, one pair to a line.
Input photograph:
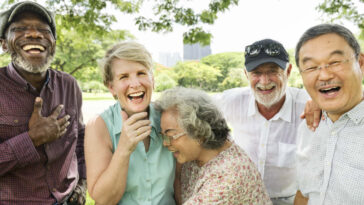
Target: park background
[86,29]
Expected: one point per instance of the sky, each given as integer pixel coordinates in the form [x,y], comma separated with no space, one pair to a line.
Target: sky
[250,21]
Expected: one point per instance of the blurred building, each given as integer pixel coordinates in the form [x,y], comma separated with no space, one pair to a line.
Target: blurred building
[195,51]
[169,59]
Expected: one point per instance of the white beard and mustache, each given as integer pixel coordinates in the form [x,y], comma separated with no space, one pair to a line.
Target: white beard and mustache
[19,61]
[27,66]
[268,100]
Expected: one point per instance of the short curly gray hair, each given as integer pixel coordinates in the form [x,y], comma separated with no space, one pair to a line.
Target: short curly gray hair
[128,50]
[197,115]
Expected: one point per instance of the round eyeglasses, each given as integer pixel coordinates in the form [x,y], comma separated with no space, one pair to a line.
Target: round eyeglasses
[168,139]
[333,66]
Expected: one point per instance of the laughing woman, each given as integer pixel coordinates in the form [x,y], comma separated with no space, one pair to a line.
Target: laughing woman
[125,158]
[215,170]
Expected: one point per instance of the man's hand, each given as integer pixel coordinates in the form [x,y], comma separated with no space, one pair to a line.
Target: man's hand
[46,129]
[312,113]
[300,199]
[78,196]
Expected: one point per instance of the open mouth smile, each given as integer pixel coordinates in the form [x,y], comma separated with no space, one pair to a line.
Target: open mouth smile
[136,96]
[33,48]
[266,88]
[330,90]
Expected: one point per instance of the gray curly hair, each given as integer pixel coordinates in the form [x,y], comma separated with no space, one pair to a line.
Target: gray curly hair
[197,115]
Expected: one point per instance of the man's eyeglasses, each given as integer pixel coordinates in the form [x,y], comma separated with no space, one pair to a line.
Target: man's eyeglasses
[332,66]
[270,49]
[168,139]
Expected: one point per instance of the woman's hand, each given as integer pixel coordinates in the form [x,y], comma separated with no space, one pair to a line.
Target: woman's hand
[135,129]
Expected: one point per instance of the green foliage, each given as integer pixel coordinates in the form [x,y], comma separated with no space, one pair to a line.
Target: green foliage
[164,81]
[168,13]
[235,78]
[84,32]
[78,54]
[4,59]
[295,79]
[345,9]
[225,61]
[197,75]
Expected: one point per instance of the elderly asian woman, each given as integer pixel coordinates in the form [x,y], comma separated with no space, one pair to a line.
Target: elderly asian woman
[215,170]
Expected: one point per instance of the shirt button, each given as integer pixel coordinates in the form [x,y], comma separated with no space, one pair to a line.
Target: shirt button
[148,180]
[16,121]
[263,145]
[54,189]
[333,133]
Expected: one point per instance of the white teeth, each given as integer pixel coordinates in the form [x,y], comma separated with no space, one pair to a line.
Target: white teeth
[136,94]
[265,87]
[28,47]
[327,89]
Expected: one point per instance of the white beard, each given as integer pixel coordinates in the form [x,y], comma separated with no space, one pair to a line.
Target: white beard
[268,100]
[19,61]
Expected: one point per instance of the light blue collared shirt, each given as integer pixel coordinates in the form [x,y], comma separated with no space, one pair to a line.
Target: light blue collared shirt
[150,174]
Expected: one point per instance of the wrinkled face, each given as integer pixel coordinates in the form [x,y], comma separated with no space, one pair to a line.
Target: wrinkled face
[336,89]
[132,84]
[30,42]
[184,148]
[268,82]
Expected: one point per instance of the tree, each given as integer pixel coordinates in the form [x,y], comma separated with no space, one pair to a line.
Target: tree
[346,9]
[295,79]
[198,75]
[78,54]
[224,62]
[95,15]
[164,77]
[234,79]
[4,59]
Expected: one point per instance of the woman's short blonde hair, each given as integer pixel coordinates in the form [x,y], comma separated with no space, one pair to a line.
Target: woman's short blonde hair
[128,50]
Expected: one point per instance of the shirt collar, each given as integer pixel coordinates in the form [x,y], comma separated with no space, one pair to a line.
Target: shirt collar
[356,114]
[154,117]
[13,74]
[285,113]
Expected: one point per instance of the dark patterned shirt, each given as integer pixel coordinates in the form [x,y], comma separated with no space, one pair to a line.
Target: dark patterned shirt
[43,174]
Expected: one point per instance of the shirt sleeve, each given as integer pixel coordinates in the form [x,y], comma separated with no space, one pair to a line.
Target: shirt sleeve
[17,152]
[302,157]
[81,134]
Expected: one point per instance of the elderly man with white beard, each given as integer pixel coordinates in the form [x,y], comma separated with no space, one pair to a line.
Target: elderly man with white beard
[265,117]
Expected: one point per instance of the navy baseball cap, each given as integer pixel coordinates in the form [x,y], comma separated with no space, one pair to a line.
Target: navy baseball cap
[265,51]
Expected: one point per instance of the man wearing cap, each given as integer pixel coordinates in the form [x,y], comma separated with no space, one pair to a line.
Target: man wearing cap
[265,117]
[41,128]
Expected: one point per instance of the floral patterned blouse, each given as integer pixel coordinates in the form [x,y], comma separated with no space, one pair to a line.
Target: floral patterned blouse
[230,178]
